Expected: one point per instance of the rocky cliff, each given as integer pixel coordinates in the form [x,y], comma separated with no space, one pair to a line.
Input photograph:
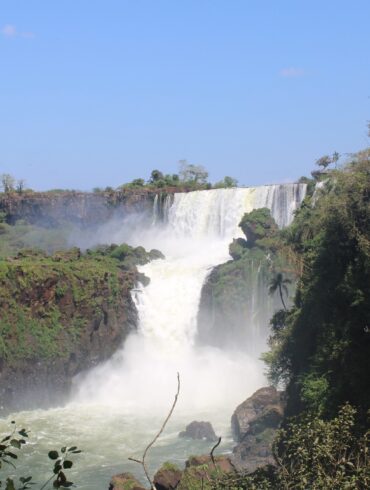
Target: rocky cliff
[60,315]
[83,209]
[236,305]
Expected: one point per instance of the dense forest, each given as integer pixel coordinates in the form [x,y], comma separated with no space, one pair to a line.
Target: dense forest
[320,346]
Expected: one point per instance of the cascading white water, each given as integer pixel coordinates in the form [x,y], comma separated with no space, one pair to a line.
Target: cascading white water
[128,395]
[199,227]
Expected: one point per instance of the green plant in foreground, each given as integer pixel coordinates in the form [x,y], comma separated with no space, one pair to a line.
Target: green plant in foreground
[61,462]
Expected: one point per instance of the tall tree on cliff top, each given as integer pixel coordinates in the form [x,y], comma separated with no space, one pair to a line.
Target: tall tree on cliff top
[193,173]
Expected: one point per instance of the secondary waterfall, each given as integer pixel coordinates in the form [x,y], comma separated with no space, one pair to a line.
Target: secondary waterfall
[118,406]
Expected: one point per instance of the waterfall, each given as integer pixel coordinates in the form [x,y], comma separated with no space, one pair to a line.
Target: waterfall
[197,228]
[119,406]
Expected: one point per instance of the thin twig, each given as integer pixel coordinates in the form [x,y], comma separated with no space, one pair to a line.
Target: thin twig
[142,461]
[214,447]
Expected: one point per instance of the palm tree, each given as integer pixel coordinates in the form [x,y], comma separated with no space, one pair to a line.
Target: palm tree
[279,283]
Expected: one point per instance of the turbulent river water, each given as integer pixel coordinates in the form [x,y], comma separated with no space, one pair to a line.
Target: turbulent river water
[117,407]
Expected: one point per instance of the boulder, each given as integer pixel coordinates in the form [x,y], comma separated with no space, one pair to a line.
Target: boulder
[265,406]
[167,477]
[125,481]
[199,470]
[199,430]
[223,463]
[254,424]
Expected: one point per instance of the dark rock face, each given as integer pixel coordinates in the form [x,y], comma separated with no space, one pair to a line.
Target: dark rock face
[167,477]
[76,313]
[125,481]
[83,209]
[254,423]
[199,430]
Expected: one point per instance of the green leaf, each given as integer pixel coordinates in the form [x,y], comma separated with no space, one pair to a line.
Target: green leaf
[9,484]
[15,443]
[53,454]
[67,464]
[11,455]
[25,479]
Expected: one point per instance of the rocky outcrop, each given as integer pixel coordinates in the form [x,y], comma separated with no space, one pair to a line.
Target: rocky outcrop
[235,306]
[167,477]
[125,481]
[201,469]
[254,423]
[199,430]
[60,315]
[83,209]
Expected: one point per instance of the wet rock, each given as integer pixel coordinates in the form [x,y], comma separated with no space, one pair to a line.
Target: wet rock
[200,469]
[265,406]
[125,481]
[155,254]
[199,430]
[254,424]
[167,477]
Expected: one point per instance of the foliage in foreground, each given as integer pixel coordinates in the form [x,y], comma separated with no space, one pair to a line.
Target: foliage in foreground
[13,442]
[314,454]
[321,347]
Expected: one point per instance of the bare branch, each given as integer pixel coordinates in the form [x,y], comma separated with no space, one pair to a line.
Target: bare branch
[214,447]
[142,461]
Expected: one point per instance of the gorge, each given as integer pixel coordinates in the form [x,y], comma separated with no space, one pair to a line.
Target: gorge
[116,406]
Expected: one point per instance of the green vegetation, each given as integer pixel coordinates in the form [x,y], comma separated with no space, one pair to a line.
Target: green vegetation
[320,346]
[260,229]
[321,349]
[237,291]
[46,301]
[13,442]
[312,453]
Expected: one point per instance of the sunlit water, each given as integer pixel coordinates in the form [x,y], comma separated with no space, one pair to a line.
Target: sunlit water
[118,407]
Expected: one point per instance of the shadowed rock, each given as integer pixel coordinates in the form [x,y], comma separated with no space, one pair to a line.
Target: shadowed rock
[254,423]
[167,477]
[199,430]
[125,481]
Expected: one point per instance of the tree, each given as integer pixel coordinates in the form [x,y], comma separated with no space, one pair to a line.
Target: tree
[226,183]
[196,174]
[155,176]
[324,161]
[7,182]
[138,183]
[335,157]
[20,185]
[278,282]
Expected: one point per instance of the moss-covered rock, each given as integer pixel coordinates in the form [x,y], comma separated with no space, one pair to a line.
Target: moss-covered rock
[167,477]
[125,481]
[236,304]
[258,225]
[60,314]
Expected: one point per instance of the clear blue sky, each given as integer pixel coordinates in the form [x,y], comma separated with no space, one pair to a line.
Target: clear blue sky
[96,93]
